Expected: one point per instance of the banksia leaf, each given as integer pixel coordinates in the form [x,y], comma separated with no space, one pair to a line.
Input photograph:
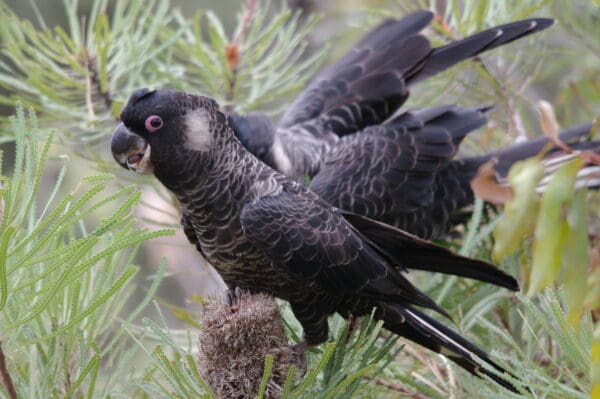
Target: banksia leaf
[552,228]
[520,213]
[595,366]
[575,257]
[592,298]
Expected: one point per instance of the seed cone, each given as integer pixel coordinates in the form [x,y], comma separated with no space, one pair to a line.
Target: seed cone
[234,341]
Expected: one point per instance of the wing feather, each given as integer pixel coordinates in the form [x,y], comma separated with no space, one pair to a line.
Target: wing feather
[372,70]
[312,240]
[390,170]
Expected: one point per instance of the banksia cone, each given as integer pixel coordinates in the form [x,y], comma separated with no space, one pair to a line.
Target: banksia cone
[234,342]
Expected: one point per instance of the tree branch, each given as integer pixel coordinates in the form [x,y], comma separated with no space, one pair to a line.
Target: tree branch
[398,388]
[12,393]
[95,78]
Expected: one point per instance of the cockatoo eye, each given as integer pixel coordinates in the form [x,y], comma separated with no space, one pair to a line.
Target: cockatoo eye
[153,123]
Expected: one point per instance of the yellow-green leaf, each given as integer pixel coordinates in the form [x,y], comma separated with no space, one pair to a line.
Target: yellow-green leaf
[520,213]
[592,298]
[575,258]
[595,367]
[552,229]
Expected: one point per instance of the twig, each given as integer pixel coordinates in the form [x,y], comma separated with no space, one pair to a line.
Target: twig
[250,8]
[580,98]
[88,89]
[502,319]
[88,78]
[583,39]
[106,96]
[587,155]
[233,50]
[432,366]
[92,83]
[398,388]
[12,393]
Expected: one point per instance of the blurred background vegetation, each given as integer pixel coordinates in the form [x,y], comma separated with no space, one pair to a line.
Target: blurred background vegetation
[72,64]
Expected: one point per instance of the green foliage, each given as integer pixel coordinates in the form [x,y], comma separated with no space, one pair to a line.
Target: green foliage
[79,79]
[558,222]
[538,338]
[579,97]
[265,59]
[549,356]
[63,279]
[552,226]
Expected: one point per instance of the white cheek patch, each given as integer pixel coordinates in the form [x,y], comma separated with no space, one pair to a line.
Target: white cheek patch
[197,134]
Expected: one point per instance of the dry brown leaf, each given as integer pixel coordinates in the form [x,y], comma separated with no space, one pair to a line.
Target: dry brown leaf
[548,121]
[231,51]
[550,128]
[485,185]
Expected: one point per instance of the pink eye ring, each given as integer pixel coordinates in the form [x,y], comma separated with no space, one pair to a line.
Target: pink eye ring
[153,123]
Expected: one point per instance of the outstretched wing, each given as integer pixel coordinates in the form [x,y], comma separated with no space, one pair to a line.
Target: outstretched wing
[371,81]
[372,70]
[369,84]
[389,170]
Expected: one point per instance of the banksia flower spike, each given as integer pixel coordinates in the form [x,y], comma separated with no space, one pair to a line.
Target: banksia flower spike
[234,342]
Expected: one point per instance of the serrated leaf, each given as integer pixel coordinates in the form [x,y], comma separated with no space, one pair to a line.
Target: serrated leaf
[266,375]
